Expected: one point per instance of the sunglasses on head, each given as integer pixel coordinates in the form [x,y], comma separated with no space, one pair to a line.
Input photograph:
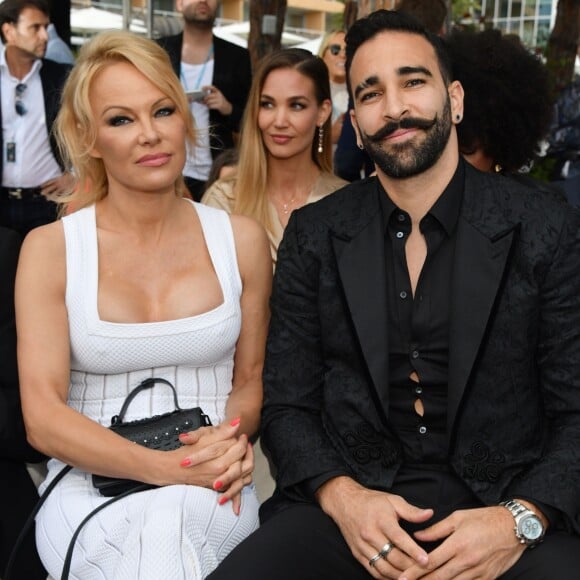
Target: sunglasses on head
[18,104]
[335,49]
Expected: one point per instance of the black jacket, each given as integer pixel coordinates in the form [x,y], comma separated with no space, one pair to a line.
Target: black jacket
[232,75]
[514,348]
[53,76]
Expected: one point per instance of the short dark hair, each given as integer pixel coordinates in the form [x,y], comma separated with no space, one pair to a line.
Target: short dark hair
[507,105]
[367,28]
[430,13]
[10,11]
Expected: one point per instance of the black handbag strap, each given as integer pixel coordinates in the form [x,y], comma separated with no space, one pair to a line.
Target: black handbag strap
[146,384]
[28,523]
[71,546]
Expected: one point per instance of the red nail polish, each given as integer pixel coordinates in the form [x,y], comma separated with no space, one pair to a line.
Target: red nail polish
[183,435]
[218,485]
[186,462]
[235,422]
[223,499]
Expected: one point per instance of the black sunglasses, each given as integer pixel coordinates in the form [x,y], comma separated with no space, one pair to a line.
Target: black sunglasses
[335,49]
[19,106]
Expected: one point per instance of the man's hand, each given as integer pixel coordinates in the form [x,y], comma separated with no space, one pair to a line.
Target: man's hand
[53,189]
[370,519]
[480,543]
[215,99]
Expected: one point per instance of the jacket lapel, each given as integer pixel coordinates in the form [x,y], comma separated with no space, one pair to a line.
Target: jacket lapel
[361,266]
[483,246]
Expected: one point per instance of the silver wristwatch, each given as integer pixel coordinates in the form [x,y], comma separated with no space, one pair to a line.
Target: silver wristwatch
[528,526]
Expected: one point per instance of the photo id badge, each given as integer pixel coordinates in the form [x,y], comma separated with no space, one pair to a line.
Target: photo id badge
[11,152]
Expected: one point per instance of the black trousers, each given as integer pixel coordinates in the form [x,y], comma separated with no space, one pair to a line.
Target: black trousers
[303,543]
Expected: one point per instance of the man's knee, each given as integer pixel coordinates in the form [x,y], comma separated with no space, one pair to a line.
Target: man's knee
[299,542]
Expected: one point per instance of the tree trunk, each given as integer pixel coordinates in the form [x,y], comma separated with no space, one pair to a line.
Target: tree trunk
[260,44]
[563,44]
[350,13]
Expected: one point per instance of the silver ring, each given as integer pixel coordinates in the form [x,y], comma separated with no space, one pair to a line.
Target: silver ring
[386,550]
[375,559]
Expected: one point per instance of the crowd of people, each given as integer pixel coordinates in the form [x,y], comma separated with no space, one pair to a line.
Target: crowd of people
[394,356]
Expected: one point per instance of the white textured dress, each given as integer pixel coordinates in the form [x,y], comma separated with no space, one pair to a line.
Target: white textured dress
[174,532]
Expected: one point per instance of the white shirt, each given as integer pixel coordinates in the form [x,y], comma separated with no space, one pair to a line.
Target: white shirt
[199,160]
[34,162]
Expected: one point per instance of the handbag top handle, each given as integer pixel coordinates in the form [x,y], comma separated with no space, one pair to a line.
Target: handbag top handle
[146,384]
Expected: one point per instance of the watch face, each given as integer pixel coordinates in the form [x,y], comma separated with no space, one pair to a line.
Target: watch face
[530,527]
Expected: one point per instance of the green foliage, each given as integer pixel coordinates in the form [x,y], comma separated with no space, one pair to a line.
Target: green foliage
[463,9]
[543,168]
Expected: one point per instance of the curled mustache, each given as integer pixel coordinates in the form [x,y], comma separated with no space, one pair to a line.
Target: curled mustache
[406,123]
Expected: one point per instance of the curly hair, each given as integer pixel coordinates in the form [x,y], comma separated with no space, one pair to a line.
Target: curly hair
[507,106]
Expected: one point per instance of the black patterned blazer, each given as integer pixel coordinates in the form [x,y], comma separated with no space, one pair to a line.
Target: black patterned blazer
[514,360]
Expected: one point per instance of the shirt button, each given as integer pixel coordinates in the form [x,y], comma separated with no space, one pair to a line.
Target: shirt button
[403,295]
[419,390]
[401,217]
[400,235]
[415,354]
[422,429]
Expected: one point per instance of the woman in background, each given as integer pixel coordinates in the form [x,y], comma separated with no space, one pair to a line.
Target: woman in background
[333,52]
[139,282]
[285,149]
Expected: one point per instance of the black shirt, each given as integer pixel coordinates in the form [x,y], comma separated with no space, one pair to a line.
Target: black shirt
[419,325]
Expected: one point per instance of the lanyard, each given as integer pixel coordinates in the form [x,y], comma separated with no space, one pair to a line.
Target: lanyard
[201,72]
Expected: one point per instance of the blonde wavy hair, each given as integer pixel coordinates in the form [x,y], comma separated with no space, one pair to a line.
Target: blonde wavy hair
[250,188]
[76,127]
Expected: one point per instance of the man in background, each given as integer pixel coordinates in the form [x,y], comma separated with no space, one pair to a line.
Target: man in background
[216,75]
[31,168]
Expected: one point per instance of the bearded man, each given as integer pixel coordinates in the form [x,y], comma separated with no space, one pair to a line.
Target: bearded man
[216,75]
[422,377]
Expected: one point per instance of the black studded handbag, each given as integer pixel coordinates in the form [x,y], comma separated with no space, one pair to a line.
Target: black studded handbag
[160,432]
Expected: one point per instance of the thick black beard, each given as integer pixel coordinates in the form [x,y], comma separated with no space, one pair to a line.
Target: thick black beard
[425,155]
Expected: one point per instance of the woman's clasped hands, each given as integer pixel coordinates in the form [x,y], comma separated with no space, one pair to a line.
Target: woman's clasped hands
[218,458]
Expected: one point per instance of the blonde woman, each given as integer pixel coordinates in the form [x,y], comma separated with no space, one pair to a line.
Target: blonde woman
[285,150]
[333,52]
[139,282]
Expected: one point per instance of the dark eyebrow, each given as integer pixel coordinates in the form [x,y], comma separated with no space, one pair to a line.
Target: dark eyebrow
[368,82]
[290,98]
[412,70]
[403,71]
